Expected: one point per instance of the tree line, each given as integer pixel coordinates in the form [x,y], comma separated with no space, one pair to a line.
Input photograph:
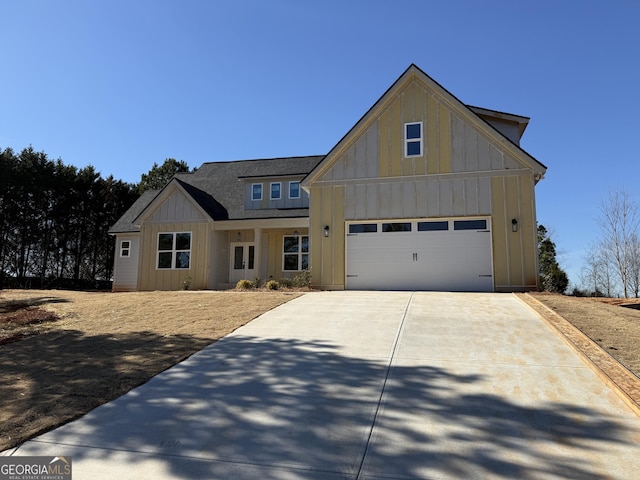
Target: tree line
[55,218]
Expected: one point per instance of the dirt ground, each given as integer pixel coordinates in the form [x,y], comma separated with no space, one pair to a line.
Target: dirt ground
[64,353]
[614,324]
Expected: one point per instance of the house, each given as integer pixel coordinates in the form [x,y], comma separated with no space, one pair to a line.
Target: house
[423,193]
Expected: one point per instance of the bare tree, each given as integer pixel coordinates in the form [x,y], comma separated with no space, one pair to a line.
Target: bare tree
[634,274]
[619,224]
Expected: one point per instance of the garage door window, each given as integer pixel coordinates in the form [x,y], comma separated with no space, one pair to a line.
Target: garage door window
[433,226]
[396,227]
[296,253]
[363,228]
[470,225]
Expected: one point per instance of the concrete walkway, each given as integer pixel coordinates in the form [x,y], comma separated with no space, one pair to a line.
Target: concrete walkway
[366,385]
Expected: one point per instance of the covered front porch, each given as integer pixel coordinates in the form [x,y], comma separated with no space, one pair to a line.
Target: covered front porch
[260,249]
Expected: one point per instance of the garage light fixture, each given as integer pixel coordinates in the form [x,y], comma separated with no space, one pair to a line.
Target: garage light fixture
[514,225]
[326,230]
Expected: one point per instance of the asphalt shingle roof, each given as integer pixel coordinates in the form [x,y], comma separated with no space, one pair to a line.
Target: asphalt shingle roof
[218,187]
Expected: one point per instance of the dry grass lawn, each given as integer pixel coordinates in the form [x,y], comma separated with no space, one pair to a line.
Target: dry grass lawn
[64,353]
[614,324]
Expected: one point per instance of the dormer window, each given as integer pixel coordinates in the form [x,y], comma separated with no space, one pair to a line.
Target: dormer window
[294,189]
[256,191]
[413,139]
[276,191]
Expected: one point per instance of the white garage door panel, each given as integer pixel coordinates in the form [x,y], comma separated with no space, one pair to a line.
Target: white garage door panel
[452,260]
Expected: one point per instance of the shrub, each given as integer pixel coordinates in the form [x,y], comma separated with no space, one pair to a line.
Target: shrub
[302,279]
[285,282]
[272,285]
[245,285]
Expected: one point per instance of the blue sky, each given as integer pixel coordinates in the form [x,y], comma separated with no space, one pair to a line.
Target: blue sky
[123,84]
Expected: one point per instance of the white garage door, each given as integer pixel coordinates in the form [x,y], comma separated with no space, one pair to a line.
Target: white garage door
[443,254]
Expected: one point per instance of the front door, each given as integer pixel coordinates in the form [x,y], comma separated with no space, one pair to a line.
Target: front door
[242,262]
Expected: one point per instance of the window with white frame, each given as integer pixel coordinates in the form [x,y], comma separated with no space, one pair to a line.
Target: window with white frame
[256,191]
[413,139]
[276,192]
[174,250]
[295,253]
[294,189]
[125,248]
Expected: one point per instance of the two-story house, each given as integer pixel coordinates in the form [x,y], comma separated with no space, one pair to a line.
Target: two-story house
[423,193]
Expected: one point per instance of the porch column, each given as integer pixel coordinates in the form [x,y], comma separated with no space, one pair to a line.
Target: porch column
[257,237]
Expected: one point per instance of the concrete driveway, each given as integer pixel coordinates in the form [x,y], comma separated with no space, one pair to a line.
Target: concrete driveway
[366,385]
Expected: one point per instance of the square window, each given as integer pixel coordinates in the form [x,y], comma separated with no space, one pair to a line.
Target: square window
[294,189]
[275,191]
[165,241]
[256,191]
[414,131]
[125,248]
[174,247]
[164,259]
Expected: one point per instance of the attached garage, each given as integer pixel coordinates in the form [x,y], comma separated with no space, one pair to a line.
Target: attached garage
[451,254]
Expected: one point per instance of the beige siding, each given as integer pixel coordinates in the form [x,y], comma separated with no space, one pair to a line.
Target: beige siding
[427,197]
[272,252]
[152,278]
[328,253]
[514,253]
[176,207]
[360,160]
[125,269]
[218,271]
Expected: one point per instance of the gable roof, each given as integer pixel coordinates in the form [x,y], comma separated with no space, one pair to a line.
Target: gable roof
[125,222]
[471,113]
[218,189]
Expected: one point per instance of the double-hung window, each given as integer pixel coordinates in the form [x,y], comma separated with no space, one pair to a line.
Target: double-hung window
[256,191]
[295,253]
[276,193]
[174,250]
[294,189]
[125,248]
[413,139]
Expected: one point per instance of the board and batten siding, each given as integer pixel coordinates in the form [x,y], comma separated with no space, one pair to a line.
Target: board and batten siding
[153,278]
[465,171]
[125,269]
[176,212]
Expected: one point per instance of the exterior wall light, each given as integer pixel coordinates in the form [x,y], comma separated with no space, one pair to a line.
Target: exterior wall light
[514,225]
[326,230]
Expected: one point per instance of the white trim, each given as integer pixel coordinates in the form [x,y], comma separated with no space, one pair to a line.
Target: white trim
[271,197]
[174,251]
[299,188]
[123,248]
[284,222]
[407,141]
[299,253]
[261,192]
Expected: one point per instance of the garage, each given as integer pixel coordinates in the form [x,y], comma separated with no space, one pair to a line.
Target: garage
[426,254]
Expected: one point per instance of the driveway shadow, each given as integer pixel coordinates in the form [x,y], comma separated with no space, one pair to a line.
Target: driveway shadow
[307,407]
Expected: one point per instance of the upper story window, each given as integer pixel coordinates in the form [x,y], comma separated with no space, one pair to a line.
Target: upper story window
[125,248]
[413,139]
[276,192]
[256,191]
[294,189]
[174,250]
